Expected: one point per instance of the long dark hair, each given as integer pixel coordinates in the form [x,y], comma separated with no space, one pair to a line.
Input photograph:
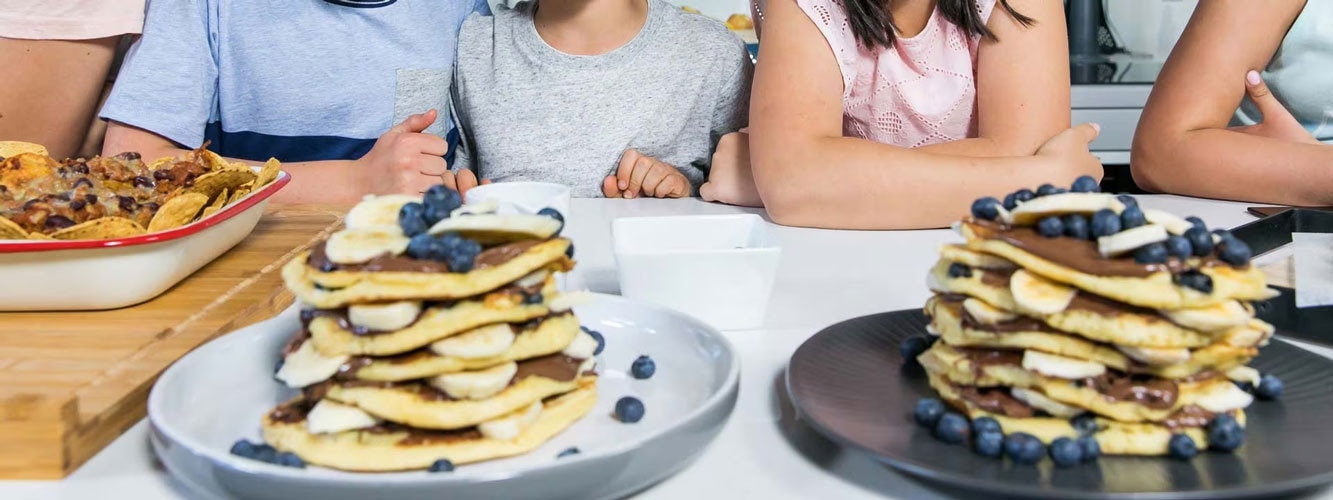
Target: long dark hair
[872,22]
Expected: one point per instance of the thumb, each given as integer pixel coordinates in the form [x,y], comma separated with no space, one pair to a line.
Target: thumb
[415,123]
[1262,97]
[1087,131]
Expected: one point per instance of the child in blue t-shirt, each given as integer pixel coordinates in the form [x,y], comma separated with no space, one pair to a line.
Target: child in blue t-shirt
[313,83]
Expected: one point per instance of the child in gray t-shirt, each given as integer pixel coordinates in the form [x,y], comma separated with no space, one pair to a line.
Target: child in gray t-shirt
[639,118]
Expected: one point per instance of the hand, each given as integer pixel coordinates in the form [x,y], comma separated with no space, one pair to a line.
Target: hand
[1277,120]
[463,181]
[404,160]
[640,174]
[730,180]
[1067,153]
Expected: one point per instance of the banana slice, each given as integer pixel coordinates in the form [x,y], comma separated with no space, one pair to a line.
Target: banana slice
[587,365]
[511,425]
[356,246]
[378,212]
[1156,356]
[386,317]
[483,207]
[1036,209]
[1173,223]
[1214,318]
[1039,296]
[570,300]
[1244,374]
[1041,402]
[484,342]
[987,314]
[962,255]
[1051,365]
[1254,333]
[538,277]
[476,385]
[328,417]
[582,347]
[1130,239]
[499,228]
[1219,398]
[306,366]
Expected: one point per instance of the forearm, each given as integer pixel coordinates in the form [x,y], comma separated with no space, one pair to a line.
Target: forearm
[981,147]
[1226,164]
[867,185]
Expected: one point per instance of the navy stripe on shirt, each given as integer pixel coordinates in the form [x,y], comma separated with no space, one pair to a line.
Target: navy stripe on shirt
[256,146]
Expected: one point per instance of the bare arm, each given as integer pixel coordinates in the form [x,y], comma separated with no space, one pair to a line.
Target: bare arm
[1022,83]
[1183,145]
[808,174]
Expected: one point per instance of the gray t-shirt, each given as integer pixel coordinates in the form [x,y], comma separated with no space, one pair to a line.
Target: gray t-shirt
[529,112]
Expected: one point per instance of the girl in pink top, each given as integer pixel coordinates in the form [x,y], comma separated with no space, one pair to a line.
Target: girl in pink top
[895,114]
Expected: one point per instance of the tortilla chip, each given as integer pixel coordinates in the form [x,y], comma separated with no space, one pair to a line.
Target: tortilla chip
[208,212]
[10,230]
[104,228]
[217,204]
[213,183]
[39,236]
[236,195]
[269,173]
[12,148]
[177,211]
[214,161]
[162,163]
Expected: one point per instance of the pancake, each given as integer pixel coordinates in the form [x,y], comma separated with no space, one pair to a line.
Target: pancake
[548,337]
[1115,395]
[338,288]
[947,317]
[1114,437]
[1156,290]
[396,448]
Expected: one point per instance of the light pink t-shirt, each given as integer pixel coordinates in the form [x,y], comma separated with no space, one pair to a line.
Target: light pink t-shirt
[922,90]
[70,19]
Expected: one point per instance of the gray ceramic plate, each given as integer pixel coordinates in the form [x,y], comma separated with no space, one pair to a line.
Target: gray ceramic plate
[849,383]
[217,394]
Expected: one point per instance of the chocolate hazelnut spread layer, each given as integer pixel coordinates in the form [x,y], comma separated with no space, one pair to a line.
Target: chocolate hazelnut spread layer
[340,314]
[996,400]
[1189,416]
[1080,255]
[356,363]
[1083,301]
[296,412]
[1115,386]
[559,367]
[489,257]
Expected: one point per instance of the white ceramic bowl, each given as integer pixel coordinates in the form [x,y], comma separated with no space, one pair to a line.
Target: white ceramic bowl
[218,393]
[528,197]
[107,274]
[718,268]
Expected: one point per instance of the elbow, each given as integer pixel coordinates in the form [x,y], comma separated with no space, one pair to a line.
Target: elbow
[786,198]
[1150,164]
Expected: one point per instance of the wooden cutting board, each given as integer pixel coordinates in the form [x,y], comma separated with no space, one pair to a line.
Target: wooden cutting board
[71,382]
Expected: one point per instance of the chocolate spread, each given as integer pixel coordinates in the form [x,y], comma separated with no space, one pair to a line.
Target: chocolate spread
[556,366]
[1077,254]
[996,400]
[1189,416]
[1019,324]
[988,357]
[1152,392]
[296,412]
[1083,301]
[489,257]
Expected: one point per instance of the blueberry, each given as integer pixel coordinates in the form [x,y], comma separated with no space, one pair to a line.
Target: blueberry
[265,453]
[1010,201]
[554,214]
[1051,227]
[1091,448]
[913,346]
[1196,280]
[1066,452]
[643,367]
[596,335]
[1023,196]
[278,367]
[567,452]
[952,428]
[1127,200]
[441,465]
[928,412]
[1024,448]
[1270,387]
[1076,226]
[1085,184]
[985,424]
[1085,424]
[1182,447]
[629,409]
[419,247]
[1224,433]
[1104,223]
[569,251]
[957,270]
[1132,217]
[1179,247]
[1151,254]
[445,200]
[1048,189]
[1197,222]
[435,213]
[1244,386]
[243,449]
[412,218]
[1234,252]
[987,208]
[463,255]
[1223,234]
[532,299]
[1201,242]
[289,460]
[989,444]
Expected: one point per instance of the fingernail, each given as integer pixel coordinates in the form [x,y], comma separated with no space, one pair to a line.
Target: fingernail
[1096,126]
[1253,77]
[629,195]
[624,185]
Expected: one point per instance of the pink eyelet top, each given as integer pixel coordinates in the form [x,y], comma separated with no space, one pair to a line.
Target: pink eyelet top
[920,91]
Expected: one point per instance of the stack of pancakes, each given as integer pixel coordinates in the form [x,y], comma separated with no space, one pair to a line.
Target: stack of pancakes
[403,362]
[1040,332]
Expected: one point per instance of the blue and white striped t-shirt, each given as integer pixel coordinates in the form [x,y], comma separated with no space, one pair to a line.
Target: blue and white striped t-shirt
[299,80]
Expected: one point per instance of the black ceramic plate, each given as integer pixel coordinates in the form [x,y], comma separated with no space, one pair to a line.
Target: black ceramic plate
[849,383]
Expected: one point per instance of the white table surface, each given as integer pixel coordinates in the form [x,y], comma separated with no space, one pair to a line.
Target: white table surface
[764,452]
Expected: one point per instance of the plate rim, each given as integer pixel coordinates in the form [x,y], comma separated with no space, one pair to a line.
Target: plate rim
[962,481]
[730,384]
